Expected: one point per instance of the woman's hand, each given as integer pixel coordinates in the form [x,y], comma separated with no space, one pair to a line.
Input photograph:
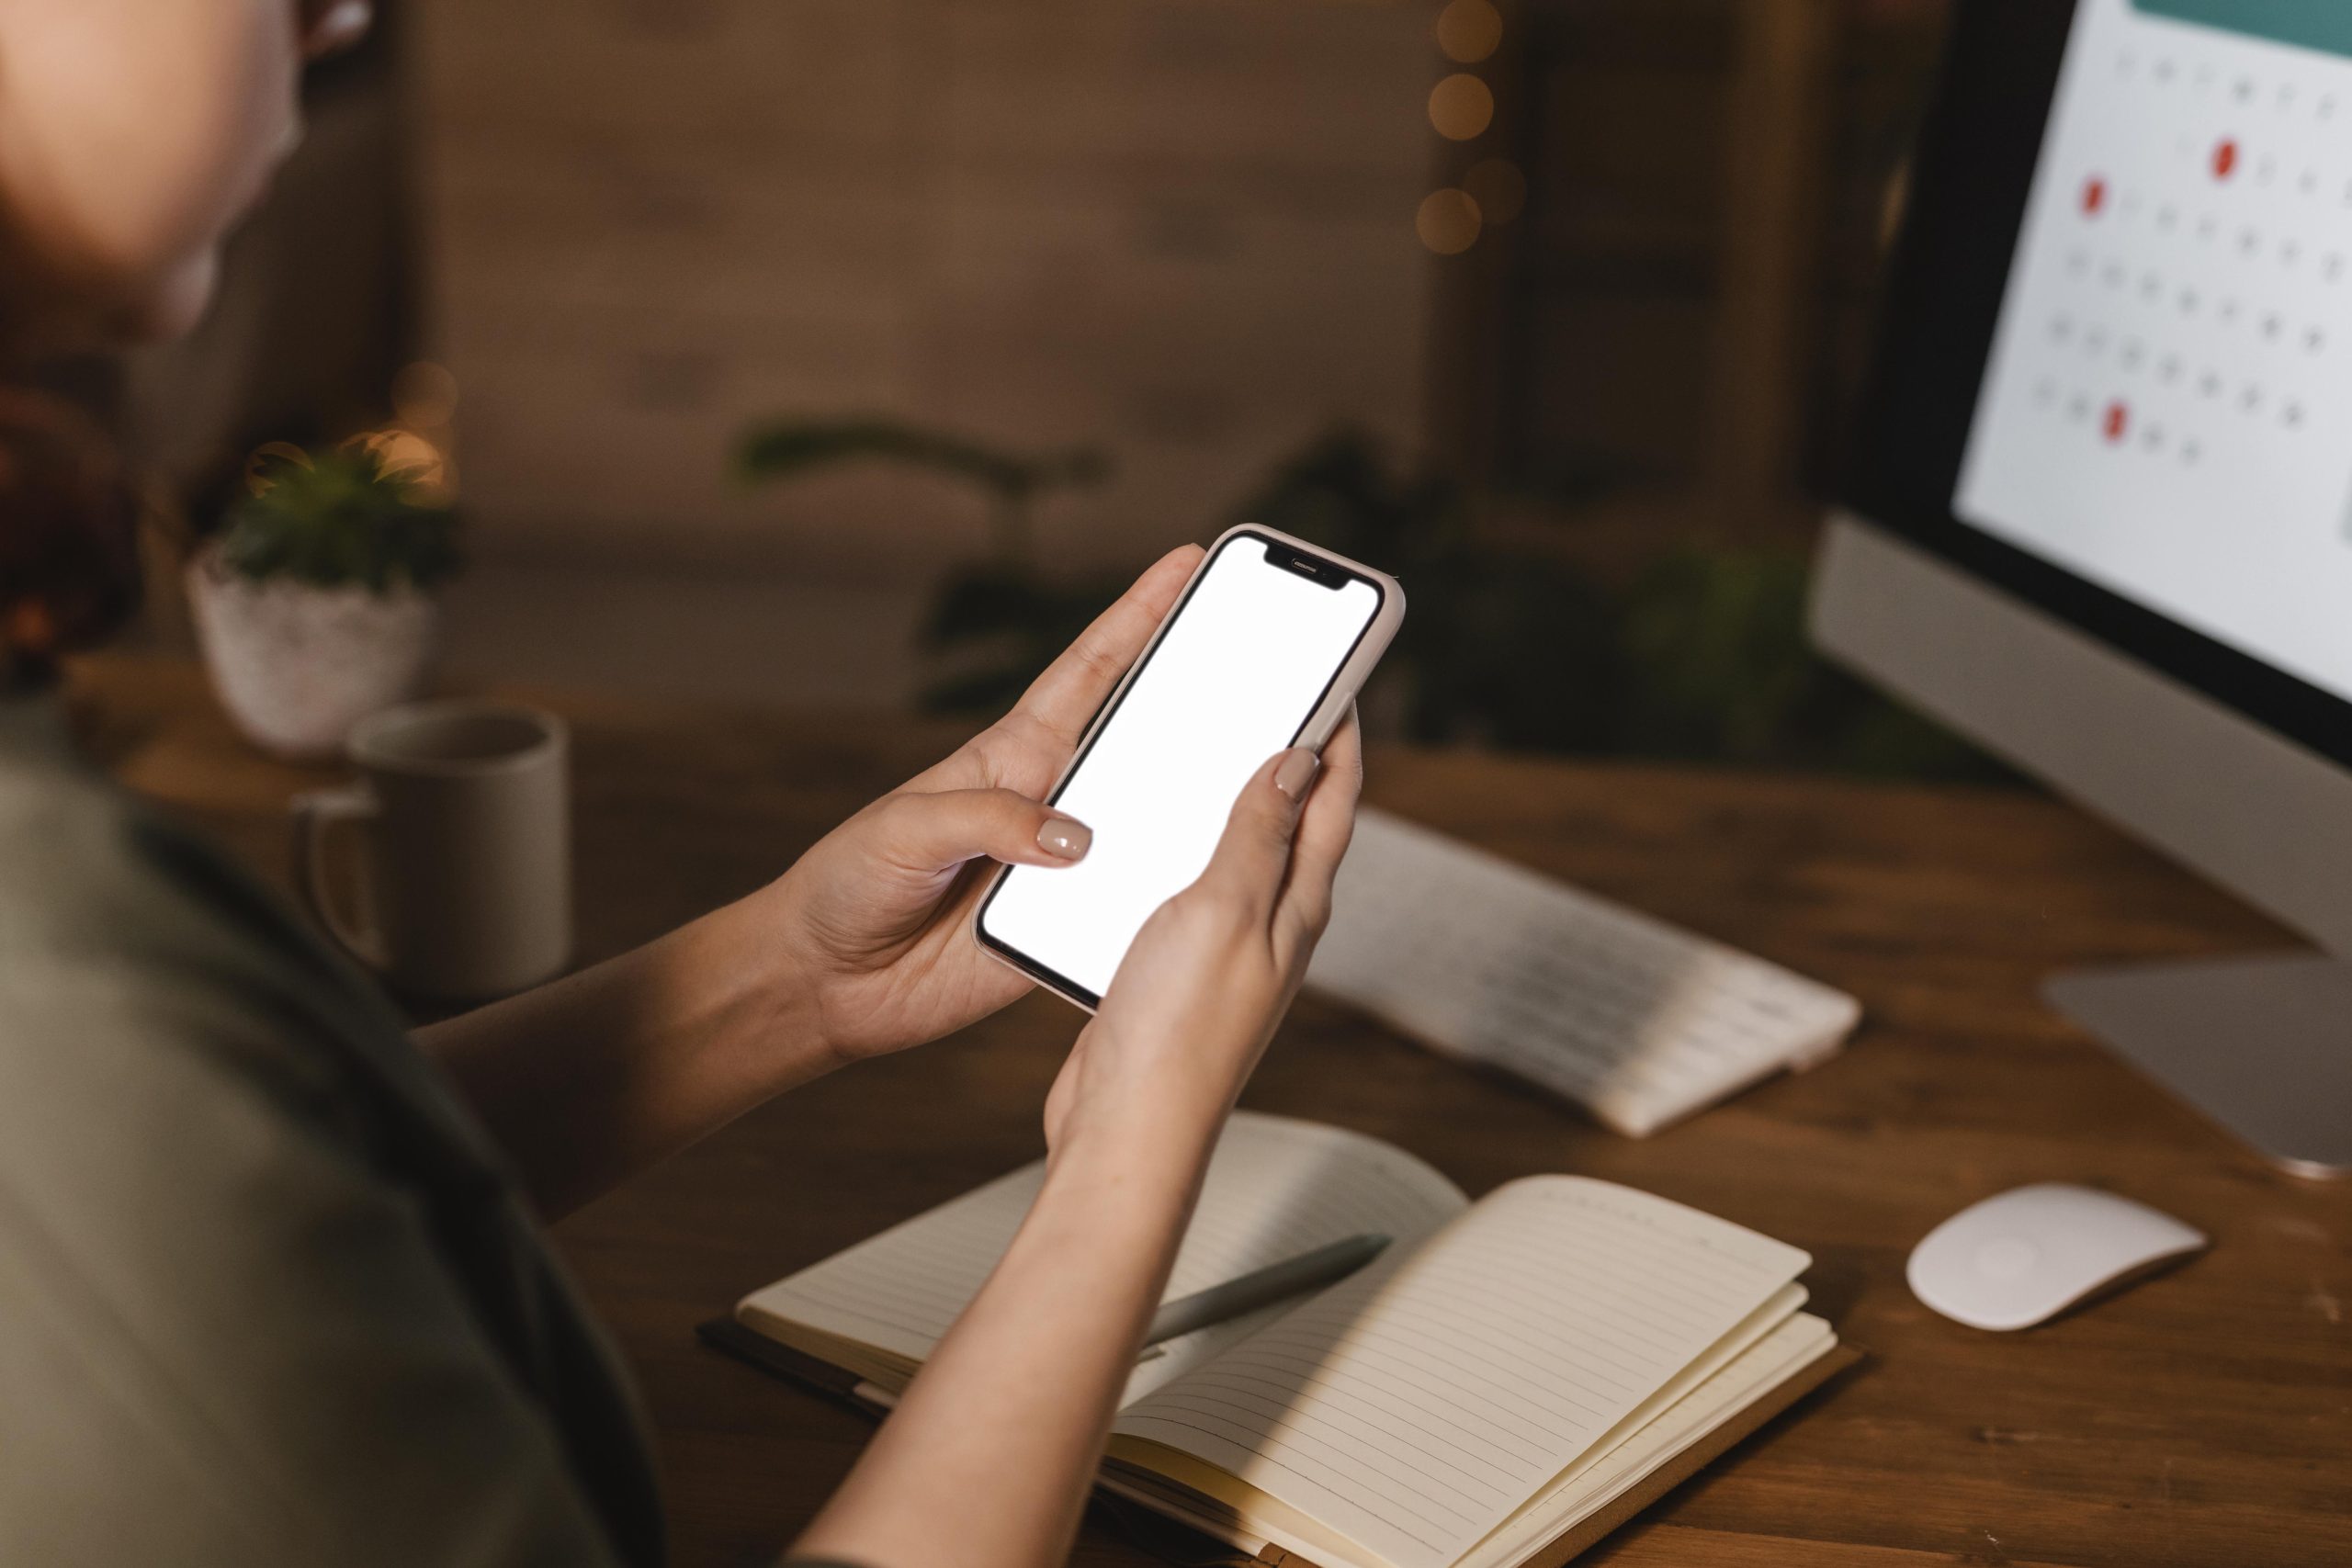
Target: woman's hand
[876,918]
[1213,971]
[1046,1346]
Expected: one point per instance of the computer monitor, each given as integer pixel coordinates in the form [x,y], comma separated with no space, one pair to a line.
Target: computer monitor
[2098,514]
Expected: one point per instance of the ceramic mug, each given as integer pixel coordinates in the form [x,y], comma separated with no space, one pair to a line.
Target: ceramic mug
[464,877]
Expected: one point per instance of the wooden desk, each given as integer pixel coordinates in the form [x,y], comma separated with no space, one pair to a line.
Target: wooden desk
[2202,1418]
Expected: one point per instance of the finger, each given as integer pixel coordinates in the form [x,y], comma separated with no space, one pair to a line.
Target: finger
[932,832]
[1325,828]
[1254,853]
[1066,696]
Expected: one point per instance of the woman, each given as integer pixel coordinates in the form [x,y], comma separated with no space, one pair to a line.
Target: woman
[267,1291]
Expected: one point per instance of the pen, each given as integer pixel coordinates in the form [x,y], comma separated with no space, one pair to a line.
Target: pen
[1262,1287]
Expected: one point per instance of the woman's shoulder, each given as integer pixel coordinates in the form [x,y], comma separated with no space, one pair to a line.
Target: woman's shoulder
[252,1251]
[124,934]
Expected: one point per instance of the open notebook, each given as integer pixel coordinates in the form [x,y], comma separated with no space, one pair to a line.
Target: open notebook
[1509,1379]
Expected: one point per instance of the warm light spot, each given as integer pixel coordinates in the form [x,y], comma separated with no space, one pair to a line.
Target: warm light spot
[1460,107]
[1469,30]
[2225,158]
[1448,221]
[411,457]
[31,626]
[2094,194]
[1498,188]
[424,395]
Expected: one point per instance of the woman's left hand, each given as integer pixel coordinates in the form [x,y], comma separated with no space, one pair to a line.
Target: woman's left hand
[875,919]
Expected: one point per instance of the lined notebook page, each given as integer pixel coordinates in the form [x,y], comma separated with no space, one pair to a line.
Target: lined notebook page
[1778,1310]
[1275,1188]
[1416,1406]
[1755,1371]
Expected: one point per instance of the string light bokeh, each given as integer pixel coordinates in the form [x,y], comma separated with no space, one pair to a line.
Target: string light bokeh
[1462,110]
[1449,221]
[1469,30]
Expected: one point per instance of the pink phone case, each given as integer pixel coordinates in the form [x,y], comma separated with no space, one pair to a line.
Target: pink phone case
[1315,733]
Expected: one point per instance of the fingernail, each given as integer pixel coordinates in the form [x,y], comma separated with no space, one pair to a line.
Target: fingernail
[1066,837]
[1297,771]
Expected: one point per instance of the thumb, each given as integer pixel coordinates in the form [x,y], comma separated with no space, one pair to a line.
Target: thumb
[931,832]
[1254,854]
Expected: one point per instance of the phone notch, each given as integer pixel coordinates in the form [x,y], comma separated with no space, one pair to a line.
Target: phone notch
[1315,569]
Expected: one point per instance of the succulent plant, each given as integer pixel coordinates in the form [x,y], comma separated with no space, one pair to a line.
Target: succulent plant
[351,517]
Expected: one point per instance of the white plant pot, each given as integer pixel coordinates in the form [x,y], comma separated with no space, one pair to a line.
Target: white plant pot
[296,666]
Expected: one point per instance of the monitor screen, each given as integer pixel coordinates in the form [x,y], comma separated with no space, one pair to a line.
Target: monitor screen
[2167,409]
[2114,372]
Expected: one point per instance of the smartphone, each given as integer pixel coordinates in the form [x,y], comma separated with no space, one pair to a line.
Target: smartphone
[1264,651]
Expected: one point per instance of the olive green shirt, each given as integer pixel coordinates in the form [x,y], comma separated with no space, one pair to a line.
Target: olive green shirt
[267,1293]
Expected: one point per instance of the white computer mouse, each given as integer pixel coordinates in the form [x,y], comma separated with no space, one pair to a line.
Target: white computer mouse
[2025,1254]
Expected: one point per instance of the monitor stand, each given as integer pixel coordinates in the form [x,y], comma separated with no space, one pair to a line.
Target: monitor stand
[2263,1045]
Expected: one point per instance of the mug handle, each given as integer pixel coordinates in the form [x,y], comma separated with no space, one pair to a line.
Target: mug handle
[315,817]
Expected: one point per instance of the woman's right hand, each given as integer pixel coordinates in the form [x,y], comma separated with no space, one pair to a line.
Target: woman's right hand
[1213,971]
[1050,1339]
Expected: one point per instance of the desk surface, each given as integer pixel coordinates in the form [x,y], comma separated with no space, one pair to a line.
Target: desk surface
[2200,1418]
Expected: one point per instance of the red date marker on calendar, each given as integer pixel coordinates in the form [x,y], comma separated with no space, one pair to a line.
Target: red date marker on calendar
[2117,421]
[2225,158]
[2094,194]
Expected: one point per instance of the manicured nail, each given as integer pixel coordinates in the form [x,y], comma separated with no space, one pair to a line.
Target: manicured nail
[1066,837]
[1297,771]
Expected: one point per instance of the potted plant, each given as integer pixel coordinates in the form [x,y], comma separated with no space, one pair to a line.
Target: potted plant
[315,603]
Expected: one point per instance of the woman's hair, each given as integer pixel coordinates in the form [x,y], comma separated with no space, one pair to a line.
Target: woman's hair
[69,553]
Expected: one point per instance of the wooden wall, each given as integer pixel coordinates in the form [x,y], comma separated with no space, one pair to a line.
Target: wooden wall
[1679,318]
[1179,228]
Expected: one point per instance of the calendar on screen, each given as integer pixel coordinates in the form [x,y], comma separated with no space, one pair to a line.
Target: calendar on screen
[2167,406]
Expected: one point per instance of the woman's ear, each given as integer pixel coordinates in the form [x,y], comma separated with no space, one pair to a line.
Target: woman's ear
[330,27]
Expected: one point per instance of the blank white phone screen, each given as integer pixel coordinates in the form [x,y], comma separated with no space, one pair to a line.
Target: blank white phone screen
[1241,668]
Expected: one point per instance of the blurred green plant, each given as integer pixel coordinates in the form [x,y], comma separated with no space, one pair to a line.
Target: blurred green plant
[345,518]
[1703,657]
[1498,648]
[1013,482]
[997,622]
[1716,665]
